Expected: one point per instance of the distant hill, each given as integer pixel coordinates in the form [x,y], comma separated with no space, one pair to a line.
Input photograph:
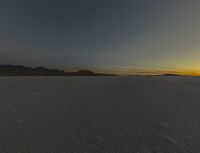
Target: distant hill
[168,74]
[161,75]
[18,70]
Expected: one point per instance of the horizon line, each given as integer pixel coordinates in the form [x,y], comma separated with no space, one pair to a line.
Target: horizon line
[124,71]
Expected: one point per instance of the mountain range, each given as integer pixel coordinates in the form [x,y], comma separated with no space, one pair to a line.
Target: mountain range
[18,70]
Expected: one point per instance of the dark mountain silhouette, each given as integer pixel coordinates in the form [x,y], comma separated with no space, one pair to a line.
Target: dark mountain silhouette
[160,75]
[174,75]
[168,74]
[18,70]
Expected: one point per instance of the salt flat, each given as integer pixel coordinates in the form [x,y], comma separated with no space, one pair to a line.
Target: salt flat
[99,115]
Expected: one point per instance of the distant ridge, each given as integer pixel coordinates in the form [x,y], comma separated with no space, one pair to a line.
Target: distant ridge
[180,75]
[162,75]
[18,70]
[168,74]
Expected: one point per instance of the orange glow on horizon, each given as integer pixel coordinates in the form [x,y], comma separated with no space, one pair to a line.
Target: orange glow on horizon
[126,72]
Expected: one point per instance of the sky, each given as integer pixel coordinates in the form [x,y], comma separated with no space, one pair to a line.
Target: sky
[122,36]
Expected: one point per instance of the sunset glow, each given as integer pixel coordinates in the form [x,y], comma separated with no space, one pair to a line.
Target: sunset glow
[116,35]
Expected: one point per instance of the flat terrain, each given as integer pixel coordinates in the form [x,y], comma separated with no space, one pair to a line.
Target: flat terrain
[99,115]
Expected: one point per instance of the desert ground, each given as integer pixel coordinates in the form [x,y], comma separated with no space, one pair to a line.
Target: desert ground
[99,115]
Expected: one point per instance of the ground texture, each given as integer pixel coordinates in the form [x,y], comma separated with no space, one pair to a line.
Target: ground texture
[99,115]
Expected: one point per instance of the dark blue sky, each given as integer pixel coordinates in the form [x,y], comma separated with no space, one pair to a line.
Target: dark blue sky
[124,34]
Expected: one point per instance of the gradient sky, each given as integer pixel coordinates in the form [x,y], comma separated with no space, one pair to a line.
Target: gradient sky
[122,35]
